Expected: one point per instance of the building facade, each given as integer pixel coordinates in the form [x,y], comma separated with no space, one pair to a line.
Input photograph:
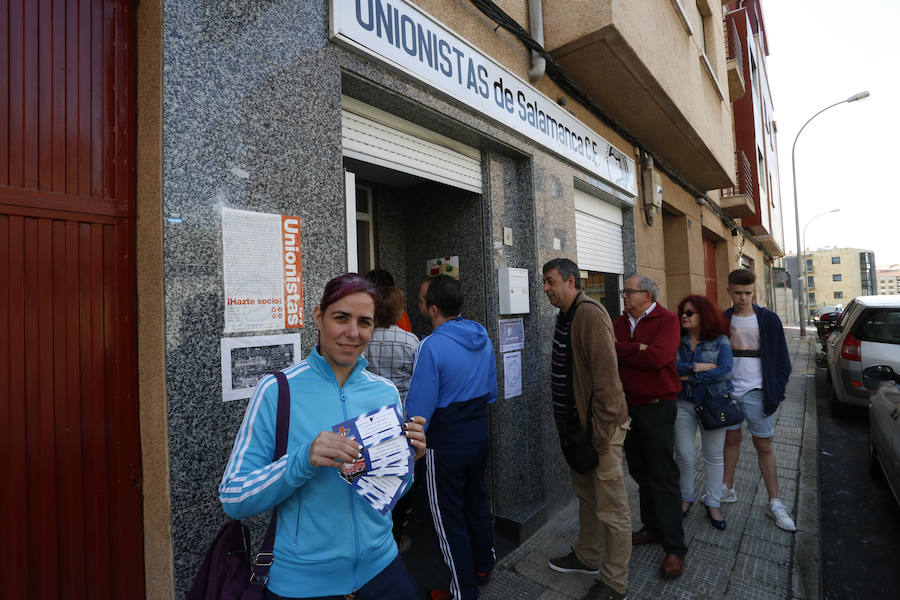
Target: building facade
[834,276]
[888,280]
[267,144]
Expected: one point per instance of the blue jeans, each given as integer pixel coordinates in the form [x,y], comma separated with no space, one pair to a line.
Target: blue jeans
[712,443]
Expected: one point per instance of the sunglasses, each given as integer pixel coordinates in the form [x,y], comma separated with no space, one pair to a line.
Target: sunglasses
[628,292]
[688,313]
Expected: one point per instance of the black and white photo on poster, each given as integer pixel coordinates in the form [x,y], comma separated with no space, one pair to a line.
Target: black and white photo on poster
[246,359]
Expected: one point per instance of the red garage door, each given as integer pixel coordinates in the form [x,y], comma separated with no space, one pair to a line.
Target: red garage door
[71,507]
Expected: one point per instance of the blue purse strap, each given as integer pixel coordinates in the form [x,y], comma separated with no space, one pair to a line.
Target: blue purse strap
[260,571]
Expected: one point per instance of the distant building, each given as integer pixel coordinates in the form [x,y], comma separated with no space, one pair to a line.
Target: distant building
[888,279]
[835,275]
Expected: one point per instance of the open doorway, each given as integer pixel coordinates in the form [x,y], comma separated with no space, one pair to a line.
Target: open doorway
[604,288]
[402,221]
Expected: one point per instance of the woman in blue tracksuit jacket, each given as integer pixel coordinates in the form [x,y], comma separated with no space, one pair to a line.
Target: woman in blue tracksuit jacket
[704,362]
[329,541]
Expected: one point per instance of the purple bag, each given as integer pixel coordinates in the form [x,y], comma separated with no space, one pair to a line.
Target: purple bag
[226,572]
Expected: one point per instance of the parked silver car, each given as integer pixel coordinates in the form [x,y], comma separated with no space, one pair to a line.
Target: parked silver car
[884,425]
[868,335]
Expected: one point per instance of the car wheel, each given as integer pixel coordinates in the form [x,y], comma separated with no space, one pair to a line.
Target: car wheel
[839,410]
[874,466]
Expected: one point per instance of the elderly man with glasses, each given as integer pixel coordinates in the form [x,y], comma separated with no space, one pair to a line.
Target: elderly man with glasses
[647,338]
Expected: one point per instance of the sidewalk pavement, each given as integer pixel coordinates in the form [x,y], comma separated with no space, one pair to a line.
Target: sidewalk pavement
[751,559]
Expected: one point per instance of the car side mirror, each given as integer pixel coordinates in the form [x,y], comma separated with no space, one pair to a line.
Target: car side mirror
[874,376]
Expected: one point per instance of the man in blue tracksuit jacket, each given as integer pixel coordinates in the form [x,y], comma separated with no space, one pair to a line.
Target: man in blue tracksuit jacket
[454,379]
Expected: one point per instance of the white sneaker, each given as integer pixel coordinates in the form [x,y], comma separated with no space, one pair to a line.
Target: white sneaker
[728,494]
[778,512]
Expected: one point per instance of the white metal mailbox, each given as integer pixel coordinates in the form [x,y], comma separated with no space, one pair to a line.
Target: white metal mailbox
[513,290]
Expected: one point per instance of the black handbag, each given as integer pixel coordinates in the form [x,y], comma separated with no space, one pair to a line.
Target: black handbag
[719,411]
[578,448]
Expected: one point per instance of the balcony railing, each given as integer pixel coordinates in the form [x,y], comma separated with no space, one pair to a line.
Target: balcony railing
[744,177]
[733,44]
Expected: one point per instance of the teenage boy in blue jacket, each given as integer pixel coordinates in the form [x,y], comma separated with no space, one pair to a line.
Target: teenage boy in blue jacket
[762,366]
[454,379]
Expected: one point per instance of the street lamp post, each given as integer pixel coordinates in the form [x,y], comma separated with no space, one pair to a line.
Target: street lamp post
[800,299]
[805,287]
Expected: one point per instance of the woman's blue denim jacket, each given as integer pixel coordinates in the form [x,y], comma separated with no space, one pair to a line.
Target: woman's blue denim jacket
[705,384]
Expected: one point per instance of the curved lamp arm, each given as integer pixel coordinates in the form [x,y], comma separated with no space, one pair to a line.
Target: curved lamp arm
[801,287]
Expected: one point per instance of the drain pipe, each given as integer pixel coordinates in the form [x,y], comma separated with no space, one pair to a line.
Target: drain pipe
[536,21]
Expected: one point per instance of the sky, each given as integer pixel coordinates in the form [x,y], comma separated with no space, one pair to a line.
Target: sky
[822,52]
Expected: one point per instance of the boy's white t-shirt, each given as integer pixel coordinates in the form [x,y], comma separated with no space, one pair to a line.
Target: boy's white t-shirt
[747,373]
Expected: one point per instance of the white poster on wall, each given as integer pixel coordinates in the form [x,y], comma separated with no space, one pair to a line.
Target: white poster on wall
[262,270]
[246,359]
[512,334]
[512,374]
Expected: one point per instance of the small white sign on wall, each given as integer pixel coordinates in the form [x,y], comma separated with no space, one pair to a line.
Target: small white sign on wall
[512,374]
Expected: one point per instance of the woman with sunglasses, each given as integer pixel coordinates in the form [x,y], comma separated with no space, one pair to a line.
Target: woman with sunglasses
[704,362]
[329,542]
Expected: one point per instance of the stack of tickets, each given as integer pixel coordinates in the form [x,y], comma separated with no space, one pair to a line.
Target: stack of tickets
[381,474]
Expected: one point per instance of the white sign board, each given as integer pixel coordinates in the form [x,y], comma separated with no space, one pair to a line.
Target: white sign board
[512,334]
[262,271]
[407,38]
[512,374]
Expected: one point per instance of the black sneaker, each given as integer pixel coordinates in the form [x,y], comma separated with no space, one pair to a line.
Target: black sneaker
[570,564]
[482,578]
[601,591]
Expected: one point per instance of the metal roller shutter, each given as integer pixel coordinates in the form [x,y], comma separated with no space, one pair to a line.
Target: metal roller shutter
[380,138]
[598,234]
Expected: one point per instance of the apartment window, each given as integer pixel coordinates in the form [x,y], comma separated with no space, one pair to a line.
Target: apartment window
[810,281]
[836,277]
[835,260]
[761,162]
[838,295]
[811,298]
[809,264]
[701,33]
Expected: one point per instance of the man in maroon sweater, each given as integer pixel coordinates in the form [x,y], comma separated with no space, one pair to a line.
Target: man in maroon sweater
[647,338]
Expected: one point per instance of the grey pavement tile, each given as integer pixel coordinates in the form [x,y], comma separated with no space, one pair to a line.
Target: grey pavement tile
[534,567]
[787,472]
[759,548]
[788,454]
[728,539]
[764,528]
[791,434]
[553,595]
[755,578]
[512,586]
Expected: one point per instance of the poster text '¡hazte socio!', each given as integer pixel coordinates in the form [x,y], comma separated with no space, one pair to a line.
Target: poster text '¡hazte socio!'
[252,301]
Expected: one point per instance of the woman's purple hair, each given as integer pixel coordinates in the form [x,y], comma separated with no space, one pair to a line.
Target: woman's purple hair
[344,285]
[712,321]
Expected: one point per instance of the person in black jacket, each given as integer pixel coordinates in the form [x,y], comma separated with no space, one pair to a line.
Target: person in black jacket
[762,366]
